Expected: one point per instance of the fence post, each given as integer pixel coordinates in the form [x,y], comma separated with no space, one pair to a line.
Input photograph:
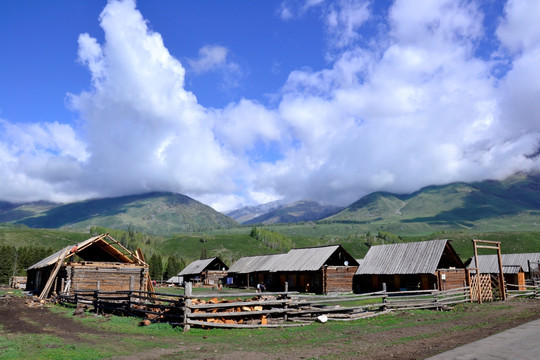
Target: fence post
[286,306]
[385,296]
[128,304]
[187,302]
[96,299]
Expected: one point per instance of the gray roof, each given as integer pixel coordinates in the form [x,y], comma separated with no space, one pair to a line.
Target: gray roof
[197,267]
[406,258]
[99,243]
[489,264]
[53,259]
[251,264]
[306,259]
[175,280]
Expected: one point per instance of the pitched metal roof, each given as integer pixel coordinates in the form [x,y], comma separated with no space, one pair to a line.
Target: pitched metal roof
[251,264]
[197,266]
[489,264]
[305,259]
[175,280]
[85,249]
[406,258]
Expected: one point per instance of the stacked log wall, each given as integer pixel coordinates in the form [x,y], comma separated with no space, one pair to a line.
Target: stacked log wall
[212,277]
[339,278]
[106,276]
[454,278]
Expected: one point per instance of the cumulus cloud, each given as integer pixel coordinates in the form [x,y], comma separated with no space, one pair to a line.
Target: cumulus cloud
[413,108]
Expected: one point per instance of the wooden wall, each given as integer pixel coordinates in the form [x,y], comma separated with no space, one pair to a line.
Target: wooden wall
[451,278]
[338,278]
[105,276]
[211,277]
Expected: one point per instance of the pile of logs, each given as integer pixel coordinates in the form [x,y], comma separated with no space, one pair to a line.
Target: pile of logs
[229,311]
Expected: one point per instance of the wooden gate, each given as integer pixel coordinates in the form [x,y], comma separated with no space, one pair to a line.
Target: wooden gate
[481,288]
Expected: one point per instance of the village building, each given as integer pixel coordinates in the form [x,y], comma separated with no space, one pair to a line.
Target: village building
[324,269]
[518,269]
[423,265]
[205,271]
[250,271]
[98,263]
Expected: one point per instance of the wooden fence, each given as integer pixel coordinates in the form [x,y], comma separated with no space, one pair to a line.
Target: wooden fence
[268,309]
[529,291]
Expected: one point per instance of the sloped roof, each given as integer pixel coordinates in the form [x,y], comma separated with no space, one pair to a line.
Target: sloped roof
[250,264]
[304,259]
[175,280]
[308,259]
[489,264]
[421,257]
[93,249]
[198,266]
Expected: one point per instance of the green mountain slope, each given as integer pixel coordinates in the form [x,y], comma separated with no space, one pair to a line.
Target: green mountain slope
[12,212]
[487,205]
[303,210]
[154,213]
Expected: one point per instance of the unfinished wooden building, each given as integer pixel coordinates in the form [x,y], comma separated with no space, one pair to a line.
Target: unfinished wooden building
[205,271]
[423,265]
[324,269]
[98,263]
[518,269]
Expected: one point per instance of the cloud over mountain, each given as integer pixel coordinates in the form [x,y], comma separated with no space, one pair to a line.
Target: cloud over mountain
[412,96]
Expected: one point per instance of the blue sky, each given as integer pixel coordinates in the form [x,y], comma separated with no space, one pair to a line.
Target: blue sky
[238,103]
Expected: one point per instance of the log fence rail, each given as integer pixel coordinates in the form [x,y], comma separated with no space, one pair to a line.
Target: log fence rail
[270,309]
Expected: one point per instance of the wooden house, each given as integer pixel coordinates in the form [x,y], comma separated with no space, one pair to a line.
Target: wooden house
[99,263]
[205,271]
[517,268]
[249,271]
[421,265]
[322,269]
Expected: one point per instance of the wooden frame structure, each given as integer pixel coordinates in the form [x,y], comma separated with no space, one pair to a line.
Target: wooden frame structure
[99,262]
[477,283]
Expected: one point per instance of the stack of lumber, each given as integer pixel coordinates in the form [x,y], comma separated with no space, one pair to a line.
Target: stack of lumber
[236,312]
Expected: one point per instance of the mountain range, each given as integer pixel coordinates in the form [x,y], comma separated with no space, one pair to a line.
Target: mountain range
[486,206]
[158,213]
[278,212]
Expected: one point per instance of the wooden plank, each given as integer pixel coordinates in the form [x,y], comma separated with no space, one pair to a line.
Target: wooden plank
[486,247]
[56,268]
[239,304]
[235,313]
[241,326]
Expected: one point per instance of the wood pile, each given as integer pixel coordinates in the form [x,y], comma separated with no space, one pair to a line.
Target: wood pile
[231,311]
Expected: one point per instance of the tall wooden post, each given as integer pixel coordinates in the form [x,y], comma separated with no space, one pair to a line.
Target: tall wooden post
[494,245]
[478,285]
[187,302]
[502,288]
[286,306]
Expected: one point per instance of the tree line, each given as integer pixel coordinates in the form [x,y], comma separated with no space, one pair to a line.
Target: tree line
[14,261]
[272,239]
[160,268]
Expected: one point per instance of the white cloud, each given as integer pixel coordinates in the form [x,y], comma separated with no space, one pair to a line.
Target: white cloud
[415,108]
[520,29]
[344,20]
[210,58]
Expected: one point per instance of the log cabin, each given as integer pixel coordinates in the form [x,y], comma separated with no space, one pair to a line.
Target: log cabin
[324,269]
[98,263]
[205,271]
[423,265]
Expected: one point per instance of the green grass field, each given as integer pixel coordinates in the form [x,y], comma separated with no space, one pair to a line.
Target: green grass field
[100,337]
